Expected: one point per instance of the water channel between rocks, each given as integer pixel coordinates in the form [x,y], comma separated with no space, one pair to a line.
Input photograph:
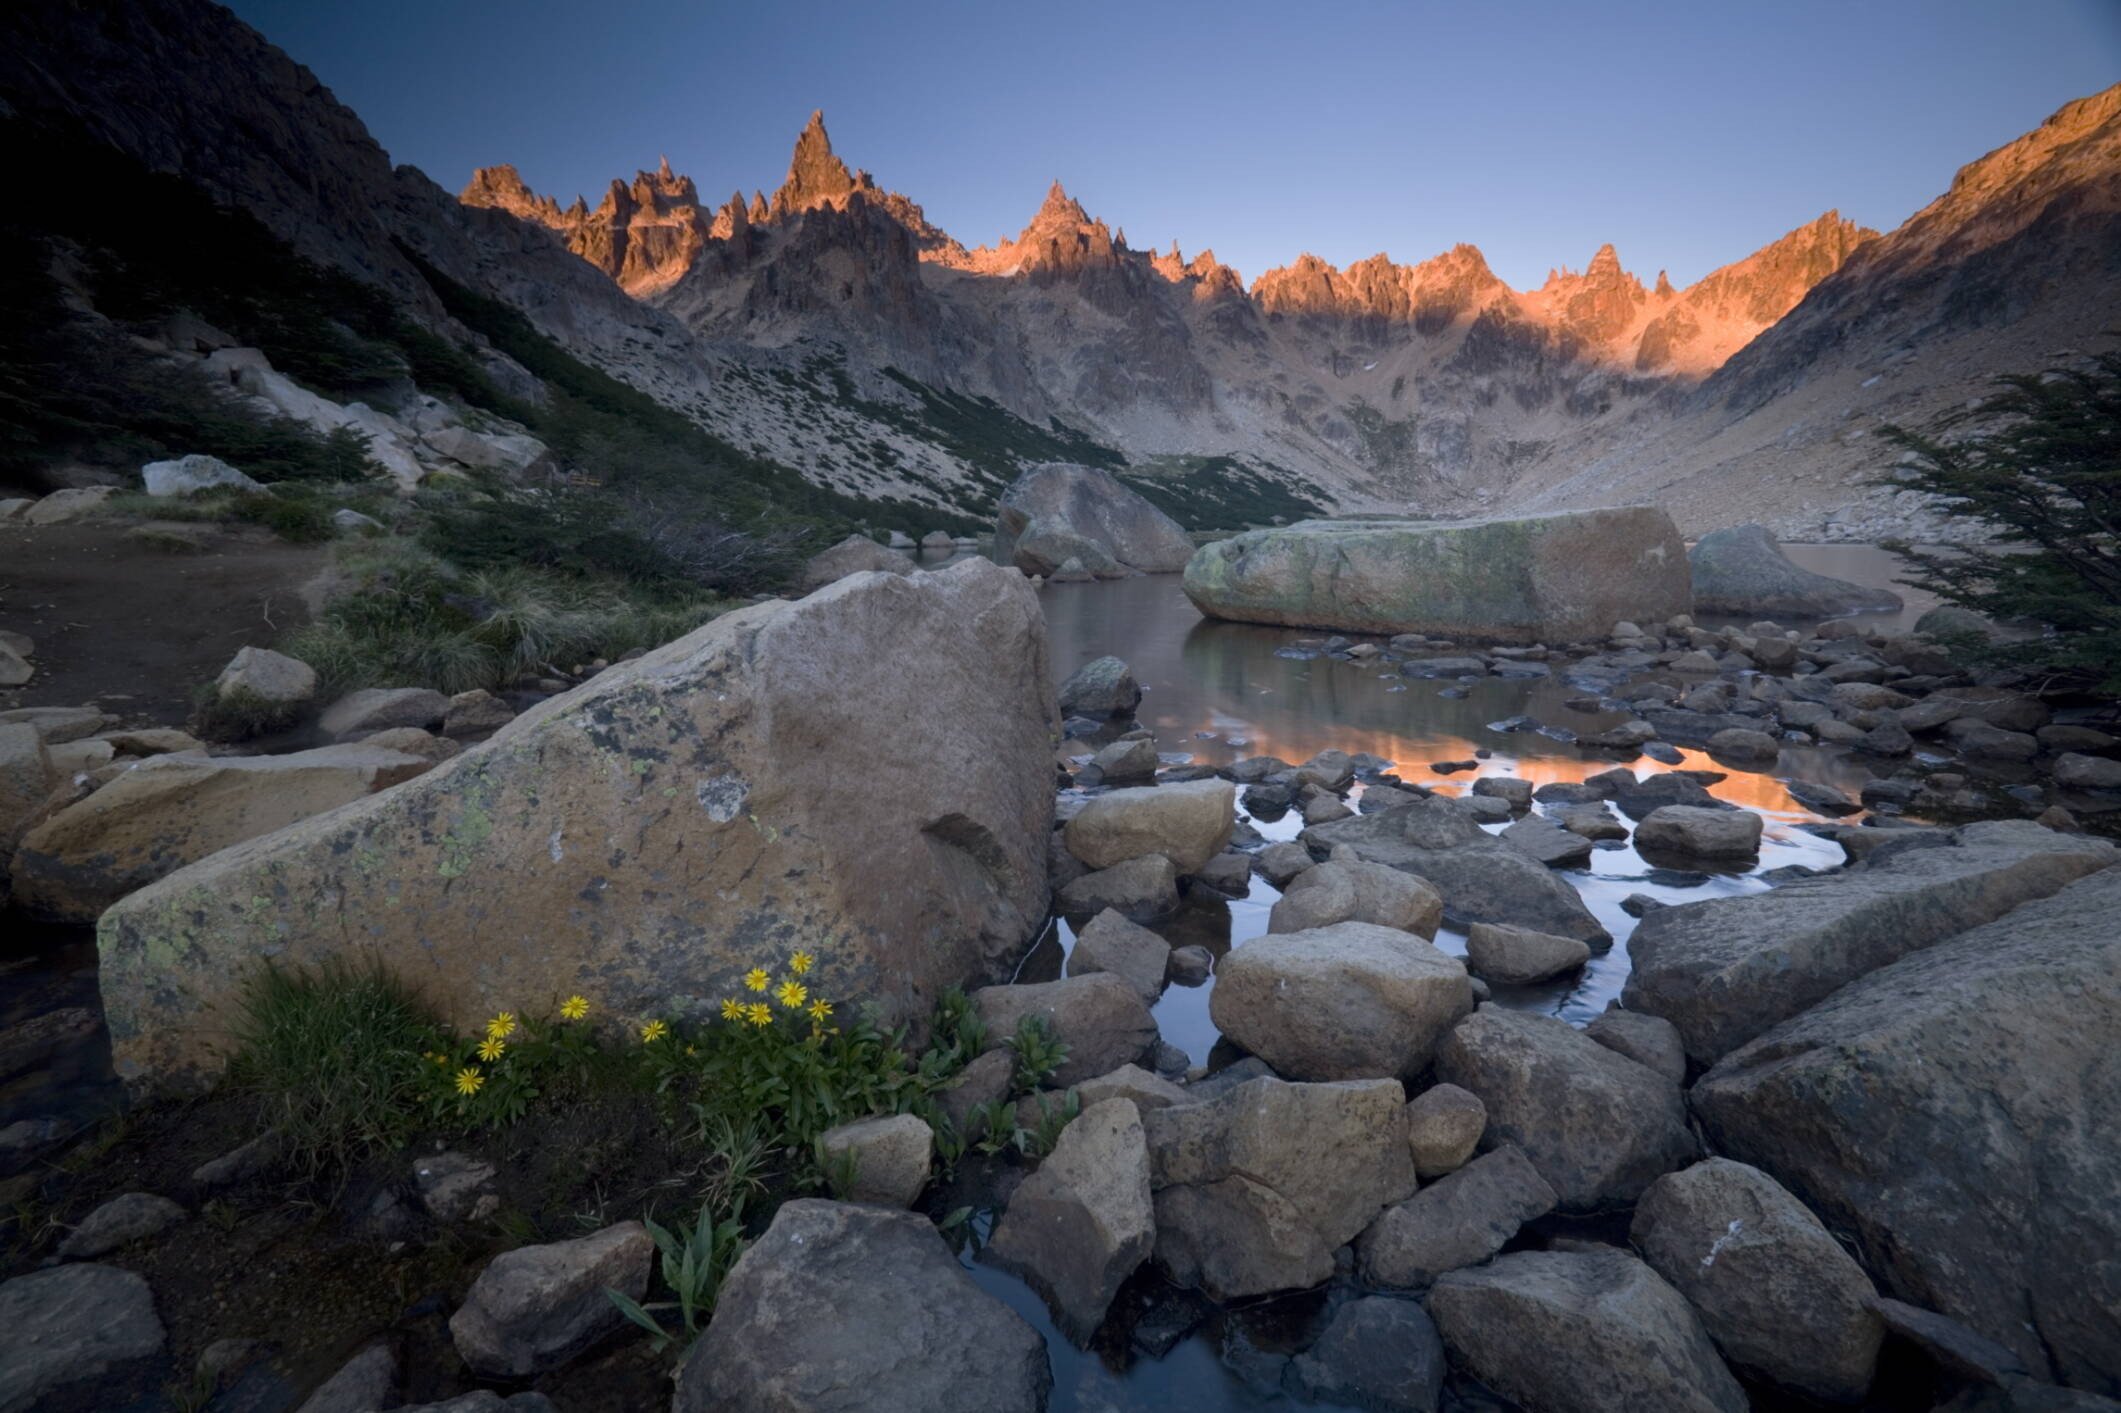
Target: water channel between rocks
[1215,693]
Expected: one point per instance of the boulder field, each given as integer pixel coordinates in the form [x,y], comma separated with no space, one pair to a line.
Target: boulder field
[1515,579]
[646,838]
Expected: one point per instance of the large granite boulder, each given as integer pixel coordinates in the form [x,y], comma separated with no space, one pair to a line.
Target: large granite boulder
[1725,969]
[841,1307]
[1187,823]
[1356,891]
[1350,1001]
[172,810]
[1259,1186]
[1481,878]
[1077,1227]
[1743,570]
[651,836]
[1535,578]
[853,555]
[1598,1126]
[1053,509]
[1954,1111]
[1775,1290]
[1582,1332]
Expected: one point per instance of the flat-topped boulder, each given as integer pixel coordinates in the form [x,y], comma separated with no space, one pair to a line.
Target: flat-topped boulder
[1743,570]
[1725,969]
[1053,511]
[1953,1112]
[1507,579]
[651,836]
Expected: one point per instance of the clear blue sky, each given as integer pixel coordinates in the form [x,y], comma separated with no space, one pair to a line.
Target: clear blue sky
[1688,134]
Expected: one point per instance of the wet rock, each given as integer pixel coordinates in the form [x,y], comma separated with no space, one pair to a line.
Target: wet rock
[1481,878]
[1350,1001]
[1228,873]
[1258,1187]
[1593,822]
[1139,889]
[1774,1290]
[1100,689]
[839,1308]
[1507,788]
[1547,842]
[1699,833]
[537,1307]
[1335,892]
[722,757]
[1099,1018]
[1378,1354]
[363,1384]
[475,713]
[1647,1040]
[172,810]
[1551,578]
[1127,762]
[1951,1082]
[1820,799]
[1518,956]
[1999,707]
[1726,969]
[854,555]
[1136,1085]
[1598,1126]
[64,1329]
[1977,740]
[1055,508]
[1481,809]
[2081,772]
[1129,951]
[1080,1224]
[1444,1123]
[891,1155]
[120,1222]
[1610,1335]
[1191,966]
[1187,824]
[1739,744]
[1459,1220]
[267,676]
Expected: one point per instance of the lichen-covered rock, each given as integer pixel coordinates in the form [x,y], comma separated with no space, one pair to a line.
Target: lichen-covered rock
[1350,1001]
[649,837]
[842,1308]
[1535,578]
[1743,570]
[175,809]
[1051,505]
[1775,1291]
[1258,1187]
[1582,1332]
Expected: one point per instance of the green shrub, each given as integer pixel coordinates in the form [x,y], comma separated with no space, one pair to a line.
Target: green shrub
[238,714]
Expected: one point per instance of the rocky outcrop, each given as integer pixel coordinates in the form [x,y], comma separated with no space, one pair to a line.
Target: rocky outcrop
[1952,1111]
[1544,578]
[1743,570]
[1053,510]
[1726,969]
[714,768]
[176,809]
[839,1308]
[1350,1001]
[1259,1186]
[1582,1332]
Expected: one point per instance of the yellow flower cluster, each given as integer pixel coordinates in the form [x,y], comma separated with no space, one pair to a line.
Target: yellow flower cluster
[470,1079]
[790,992]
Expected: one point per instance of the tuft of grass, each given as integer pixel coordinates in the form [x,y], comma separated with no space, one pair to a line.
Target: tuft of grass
[334,1058]
[238,715]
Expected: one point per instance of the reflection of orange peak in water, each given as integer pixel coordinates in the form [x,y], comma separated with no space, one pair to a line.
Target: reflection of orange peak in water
[1411,763]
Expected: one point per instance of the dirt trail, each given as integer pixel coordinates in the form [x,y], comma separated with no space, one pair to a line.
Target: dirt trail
[133,628]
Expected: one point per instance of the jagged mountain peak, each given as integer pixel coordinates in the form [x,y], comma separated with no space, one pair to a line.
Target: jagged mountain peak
[815,175]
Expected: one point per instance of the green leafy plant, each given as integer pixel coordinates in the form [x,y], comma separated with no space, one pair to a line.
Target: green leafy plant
[695,1260]
[1039,1053]
[1038,1141]
[2043,476]
[836,1173]
[995,1123]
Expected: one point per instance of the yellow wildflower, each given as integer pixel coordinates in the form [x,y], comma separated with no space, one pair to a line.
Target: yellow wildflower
[759,1013]
[501,1026]
[653,1031]
[574,1008]
[469,1080]
[732,1010]
[491,1049]
[791,994]
[820,1008]
[756,979]
[801,962]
